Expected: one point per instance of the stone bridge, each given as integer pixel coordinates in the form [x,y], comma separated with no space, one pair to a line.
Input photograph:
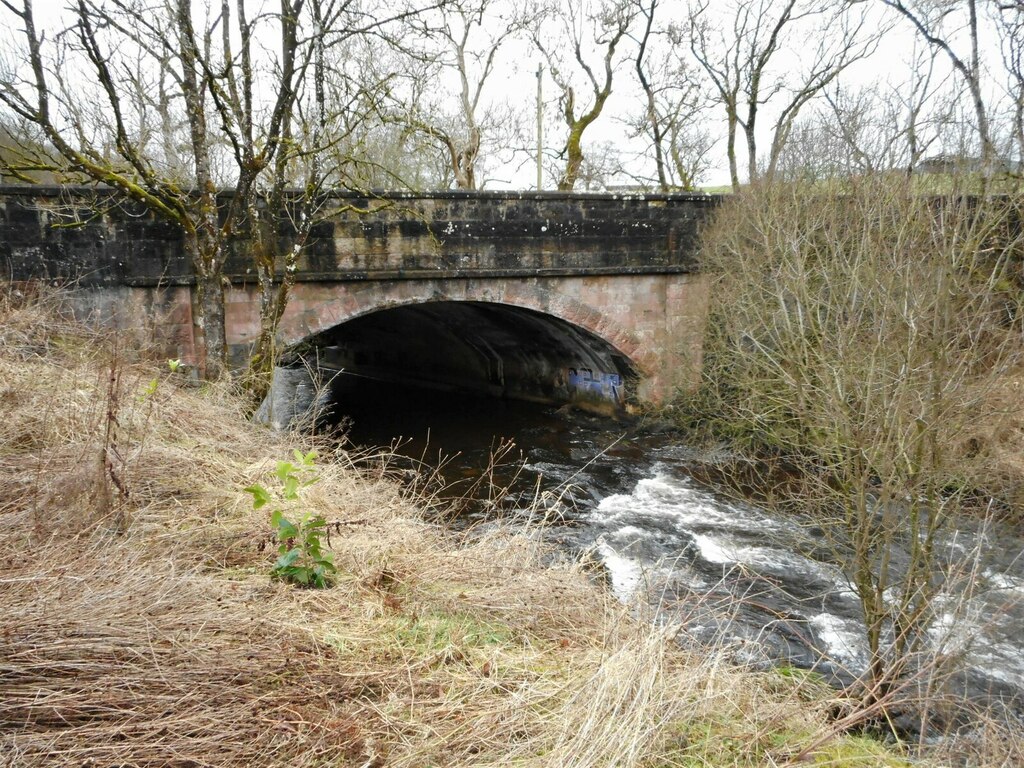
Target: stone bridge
[542,296]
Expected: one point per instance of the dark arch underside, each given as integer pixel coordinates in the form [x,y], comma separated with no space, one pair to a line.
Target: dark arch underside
[496,349]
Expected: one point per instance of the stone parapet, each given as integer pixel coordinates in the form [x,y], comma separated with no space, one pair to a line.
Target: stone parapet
[89,237]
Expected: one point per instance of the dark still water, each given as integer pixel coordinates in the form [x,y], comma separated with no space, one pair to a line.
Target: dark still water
[468,440]
[625,494]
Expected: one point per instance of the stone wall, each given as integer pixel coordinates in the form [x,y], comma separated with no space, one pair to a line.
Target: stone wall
[620,267]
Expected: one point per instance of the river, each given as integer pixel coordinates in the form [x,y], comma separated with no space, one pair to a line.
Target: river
[729,572]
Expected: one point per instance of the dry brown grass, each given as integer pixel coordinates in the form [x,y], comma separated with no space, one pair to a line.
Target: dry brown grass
[112,660]
[998,442]
[140,627]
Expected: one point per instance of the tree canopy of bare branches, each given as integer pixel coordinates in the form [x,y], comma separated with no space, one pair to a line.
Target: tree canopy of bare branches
[582,45]
[939,24]
[168,102]
[448,58]
[740,51]
[673,102]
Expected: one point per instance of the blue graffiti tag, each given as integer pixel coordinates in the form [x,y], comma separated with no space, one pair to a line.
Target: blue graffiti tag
[604,385]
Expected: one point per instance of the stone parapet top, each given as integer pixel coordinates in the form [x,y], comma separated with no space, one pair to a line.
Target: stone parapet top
[59,190]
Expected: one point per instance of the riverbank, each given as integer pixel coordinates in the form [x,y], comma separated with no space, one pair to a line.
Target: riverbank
[140,625]
[862,373]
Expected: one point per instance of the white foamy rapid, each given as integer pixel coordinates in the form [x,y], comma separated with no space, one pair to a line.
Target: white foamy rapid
[686,543]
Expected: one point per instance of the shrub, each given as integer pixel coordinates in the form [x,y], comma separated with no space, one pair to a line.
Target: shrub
[301,557]
[858,340]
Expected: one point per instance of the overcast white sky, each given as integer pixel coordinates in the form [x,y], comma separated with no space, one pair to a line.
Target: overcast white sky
[889,66]
[515,84]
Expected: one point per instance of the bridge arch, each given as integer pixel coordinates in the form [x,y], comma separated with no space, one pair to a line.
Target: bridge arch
[535,343]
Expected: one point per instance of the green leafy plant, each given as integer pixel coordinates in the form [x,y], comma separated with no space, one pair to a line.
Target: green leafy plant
[154,384]
[301,557]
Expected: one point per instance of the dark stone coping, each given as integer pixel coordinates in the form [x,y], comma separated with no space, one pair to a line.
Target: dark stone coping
[356,276]
[57,190]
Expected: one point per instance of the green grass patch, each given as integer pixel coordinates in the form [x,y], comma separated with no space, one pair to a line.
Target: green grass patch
[421,636]
[740,743]
[434,632]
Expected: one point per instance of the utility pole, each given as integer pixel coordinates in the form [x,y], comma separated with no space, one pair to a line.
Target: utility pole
[540,129]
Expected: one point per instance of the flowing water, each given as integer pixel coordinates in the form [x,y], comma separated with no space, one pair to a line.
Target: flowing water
[727,571]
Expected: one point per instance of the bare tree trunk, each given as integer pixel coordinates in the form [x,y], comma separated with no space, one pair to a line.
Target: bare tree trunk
[730,149]
[1018,128]
[275,291]
[205,240]
[652,107]
[748,132]
[211,303]
[207,306]
[264,254]
[988,150]
[574,159]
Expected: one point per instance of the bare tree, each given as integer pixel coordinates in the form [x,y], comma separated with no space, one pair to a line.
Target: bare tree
[863,341]
[369,79]
[742,64]
[271,153]
[673,103]
[652,117]
[459,42]
[601,168]
[841,40]
[107,42]
[182,109]
[1010,23]
[814,152]
[583,29]
[278,144]
[882,127]
[931,20]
